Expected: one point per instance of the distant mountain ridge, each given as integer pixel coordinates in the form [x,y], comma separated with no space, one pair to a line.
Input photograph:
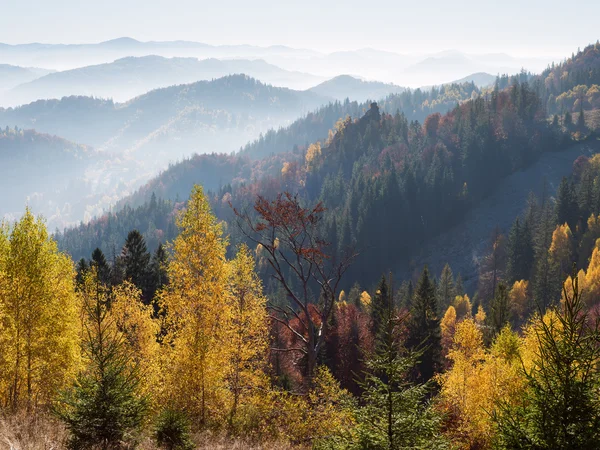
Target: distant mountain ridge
[346,86]
[403,69]
[11,76]
[131,76]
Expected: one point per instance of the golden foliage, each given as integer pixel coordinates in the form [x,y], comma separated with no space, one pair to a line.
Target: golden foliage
[38,315]
[140,332]
[365,299]
[561,247]
[477,379]
[313,155]
[247,334]
[519,298]
[463,307]
[196,307]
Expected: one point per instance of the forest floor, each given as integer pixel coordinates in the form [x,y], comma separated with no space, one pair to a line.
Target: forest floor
[463,245]
[42,432]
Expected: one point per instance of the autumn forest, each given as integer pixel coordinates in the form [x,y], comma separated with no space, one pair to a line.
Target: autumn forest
[344,276]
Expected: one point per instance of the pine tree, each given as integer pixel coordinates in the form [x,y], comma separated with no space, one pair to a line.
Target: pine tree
[581,119]
[81,269]
[543,292]
[560,409]
[458,286]
[104,408]
[424,328]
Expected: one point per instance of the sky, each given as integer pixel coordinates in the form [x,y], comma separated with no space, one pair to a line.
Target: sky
[517,27]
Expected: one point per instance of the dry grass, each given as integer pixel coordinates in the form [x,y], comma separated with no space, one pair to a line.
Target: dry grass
[41,432]
[31,432]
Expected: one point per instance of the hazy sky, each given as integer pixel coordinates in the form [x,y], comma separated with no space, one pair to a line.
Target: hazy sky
[519,27]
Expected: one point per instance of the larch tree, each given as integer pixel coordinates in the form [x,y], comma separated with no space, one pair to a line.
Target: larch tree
[38,315]
[248,338]
[196,309]
[140,331]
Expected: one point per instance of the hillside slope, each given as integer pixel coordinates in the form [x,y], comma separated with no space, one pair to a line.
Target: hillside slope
[463,245]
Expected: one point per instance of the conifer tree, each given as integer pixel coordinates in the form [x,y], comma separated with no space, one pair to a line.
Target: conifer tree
[499,310]
[102,268]
[445,289]
[567,209]
[395,413]
[560,409]
[136,261]
[104,408]
[197,310]
[519,252]
[379,306]
[158,271]
[424,328]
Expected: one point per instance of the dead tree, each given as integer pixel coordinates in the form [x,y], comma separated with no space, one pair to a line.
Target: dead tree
[291,239]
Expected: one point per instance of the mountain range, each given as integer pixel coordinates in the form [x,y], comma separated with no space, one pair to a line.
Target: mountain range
[404,69]
[129,77]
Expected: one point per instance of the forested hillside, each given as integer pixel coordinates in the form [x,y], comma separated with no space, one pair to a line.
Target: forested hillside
[431,174]
[573,84]
[35,165]
[179,178]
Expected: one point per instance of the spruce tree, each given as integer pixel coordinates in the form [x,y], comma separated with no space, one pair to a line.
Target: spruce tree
[379,306]
[519,252]
[158,271]
[424,328]
[136,261]
[567,209]
[560,409]
[395,413]
[445,289]
[104,409]
[102,267]
[499,310]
